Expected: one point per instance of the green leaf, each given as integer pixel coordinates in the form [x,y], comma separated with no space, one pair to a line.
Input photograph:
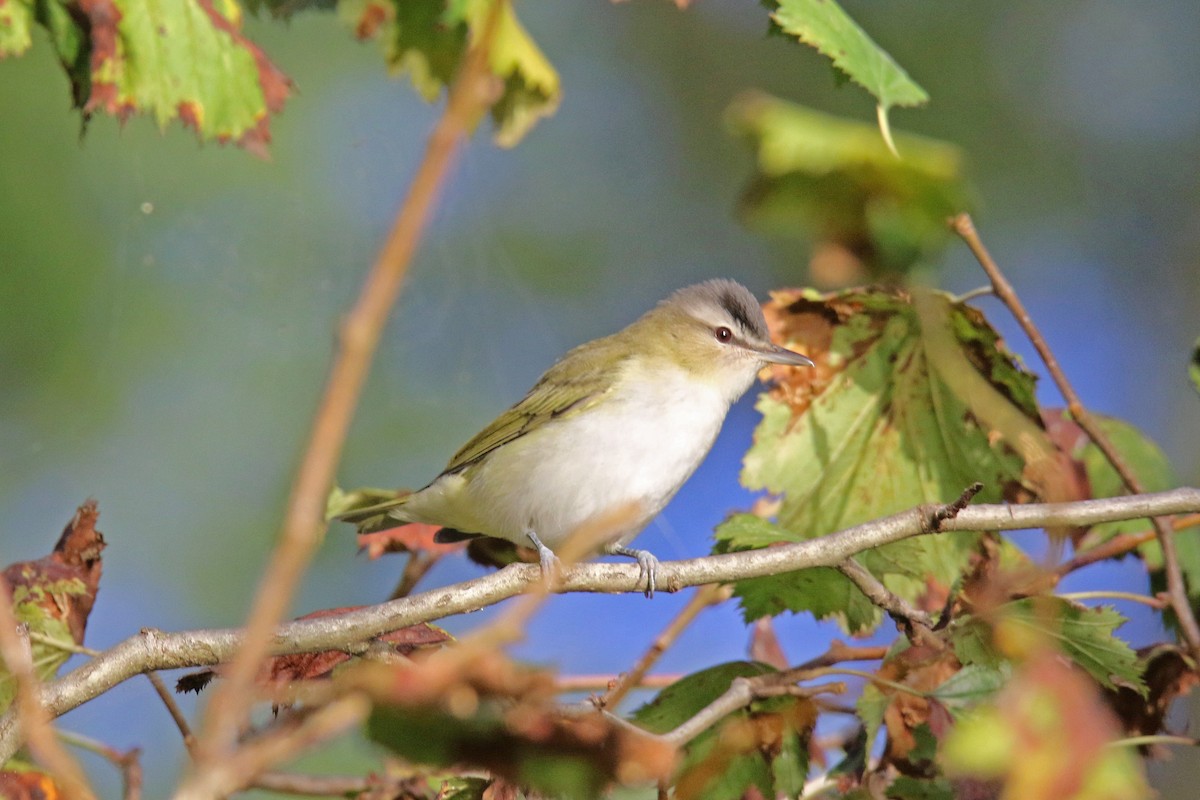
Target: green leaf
[912,400]
[871,705]
[1146,460]
[31,607]
[836,179]
[1085,635]
[683,699]
[822,591]
[183,60]
[823,25]
[742,764]
[16,23]
[464,789]
[972,684]
[428,39]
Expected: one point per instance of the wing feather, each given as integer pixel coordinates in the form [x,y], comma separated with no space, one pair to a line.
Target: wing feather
[578,381]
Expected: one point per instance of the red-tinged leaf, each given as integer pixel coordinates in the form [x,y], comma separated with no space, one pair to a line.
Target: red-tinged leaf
[54,595]
[286,669]
[1169,673]
[412,538]
[172,59]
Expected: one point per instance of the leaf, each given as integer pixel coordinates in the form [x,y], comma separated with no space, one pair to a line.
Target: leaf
[428,39]
[172,59]
[764,747]
[1047,737]
[16,23]
[971,685]
[1086,635]
[873,215]
[912,400]
[687,696]
[1146,460]
[484,711]
[823,25]
[54,595]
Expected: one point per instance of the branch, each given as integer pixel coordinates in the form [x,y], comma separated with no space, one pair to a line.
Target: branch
[154,650]
[914,623]
[1176,590]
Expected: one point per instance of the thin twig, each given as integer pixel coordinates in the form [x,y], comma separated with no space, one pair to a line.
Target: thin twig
[417,567]
[33,717]
[1176,589]
[360,335]
[949,511]
[322,785]
[128,762]
[917,625]
[705,596]
[592,683]
[1120,545]
[1105,594]
[156,650]
[168,700]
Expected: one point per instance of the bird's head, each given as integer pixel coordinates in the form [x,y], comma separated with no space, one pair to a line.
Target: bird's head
[716,331]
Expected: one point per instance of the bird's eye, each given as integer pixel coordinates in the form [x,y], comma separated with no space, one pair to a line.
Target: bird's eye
[723,334]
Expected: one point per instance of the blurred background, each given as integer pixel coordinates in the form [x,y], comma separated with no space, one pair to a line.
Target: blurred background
[167,310]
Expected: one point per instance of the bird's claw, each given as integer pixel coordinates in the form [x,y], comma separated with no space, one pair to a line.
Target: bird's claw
[647,566]
[550,563]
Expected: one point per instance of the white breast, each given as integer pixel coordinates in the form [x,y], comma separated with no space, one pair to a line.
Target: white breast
[630,453]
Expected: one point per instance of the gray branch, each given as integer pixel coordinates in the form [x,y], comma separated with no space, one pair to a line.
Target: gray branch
[155,650]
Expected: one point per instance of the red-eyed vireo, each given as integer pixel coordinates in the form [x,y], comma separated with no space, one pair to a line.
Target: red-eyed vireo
[610,432]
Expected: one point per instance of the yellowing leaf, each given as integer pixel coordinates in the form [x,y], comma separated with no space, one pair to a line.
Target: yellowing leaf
[912,400]
[836,179]
[16,21]
[428,39]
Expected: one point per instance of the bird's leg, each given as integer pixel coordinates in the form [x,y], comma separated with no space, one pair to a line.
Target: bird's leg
[551,566]
[647,562]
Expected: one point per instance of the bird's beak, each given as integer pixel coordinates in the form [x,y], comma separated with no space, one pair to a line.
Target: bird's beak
[774,354]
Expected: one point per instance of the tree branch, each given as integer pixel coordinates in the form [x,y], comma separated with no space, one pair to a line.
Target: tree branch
[1176,589]
[154,650]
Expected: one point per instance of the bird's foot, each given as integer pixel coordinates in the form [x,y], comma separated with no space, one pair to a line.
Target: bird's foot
[550,563]
[647,563]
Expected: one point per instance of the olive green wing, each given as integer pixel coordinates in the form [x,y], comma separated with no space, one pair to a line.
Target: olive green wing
[578,381]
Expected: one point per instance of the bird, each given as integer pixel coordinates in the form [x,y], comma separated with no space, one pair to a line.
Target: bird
[606,436]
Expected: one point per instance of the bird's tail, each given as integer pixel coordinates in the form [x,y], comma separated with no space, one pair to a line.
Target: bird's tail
[370,510]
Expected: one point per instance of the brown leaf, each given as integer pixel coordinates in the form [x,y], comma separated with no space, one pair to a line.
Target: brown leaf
[75,557]
[923,669]
[1170,672]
